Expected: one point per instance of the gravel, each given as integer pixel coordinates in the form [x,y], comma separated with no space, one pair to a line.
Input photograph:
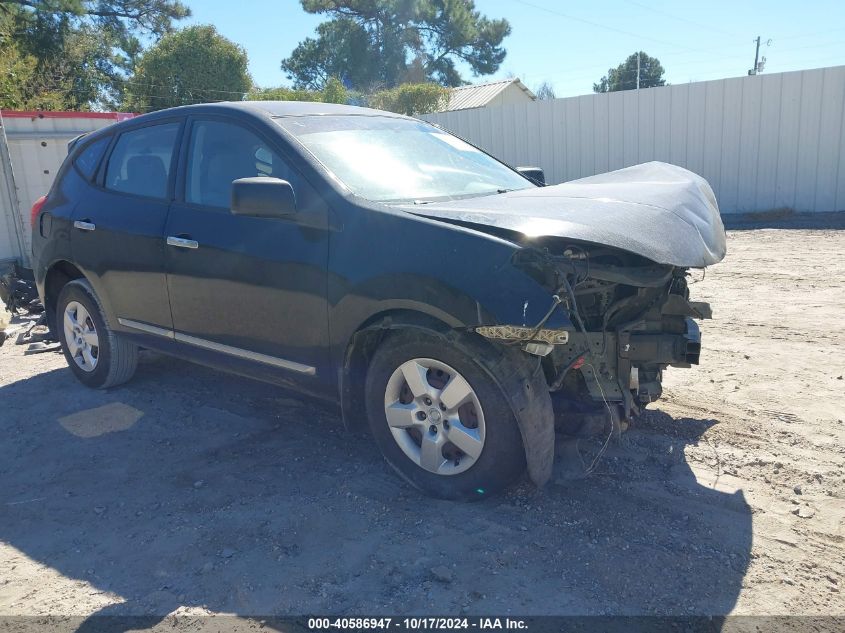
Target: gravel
[690,513]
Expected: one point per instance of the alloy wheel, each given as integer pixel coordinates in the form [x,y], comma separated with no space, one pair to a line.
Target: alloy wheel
[435,416]
[81,336]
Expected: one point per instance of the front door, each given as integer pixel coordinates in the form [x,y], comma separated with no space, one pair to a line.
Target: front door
[247,287]
[118,230]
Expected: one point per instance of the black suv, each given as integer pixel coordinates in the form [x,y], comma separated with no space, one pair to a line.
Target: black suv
[463,309]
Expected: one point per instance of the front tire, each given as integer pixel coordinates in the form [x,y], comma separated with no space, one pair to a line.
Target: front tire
[98,357]
[439,417]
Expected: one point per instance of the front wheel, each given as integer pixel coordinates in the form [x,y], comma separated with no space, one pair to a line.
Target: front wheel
[440,419]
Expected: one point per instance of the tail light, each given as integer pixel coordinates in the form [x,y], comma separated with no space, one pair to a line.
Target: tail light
[36,209]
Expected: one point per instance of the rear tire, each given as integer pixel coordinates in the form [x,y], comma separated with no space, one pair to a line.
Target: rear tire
[464,446]
[98,357]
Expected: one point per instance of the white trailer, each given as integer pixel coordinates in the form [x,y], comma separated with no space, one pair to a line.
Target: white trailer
[32,148]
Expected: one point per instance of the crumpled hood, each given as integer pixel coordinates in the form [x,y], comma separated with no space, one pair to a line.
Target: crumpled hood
[662,212]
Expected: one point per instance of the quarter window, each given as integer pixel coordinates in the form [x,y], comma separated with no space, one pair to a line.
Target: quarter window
[89,158]
[222,152]
[140,161]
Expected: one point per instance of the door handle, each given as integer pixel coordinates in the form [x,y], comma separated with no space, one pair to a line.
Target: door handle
[84,225]
[181,242]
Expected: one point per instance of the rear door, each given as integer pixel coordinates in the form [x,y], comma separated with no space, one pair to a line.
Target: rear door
[117,235]
[248,287]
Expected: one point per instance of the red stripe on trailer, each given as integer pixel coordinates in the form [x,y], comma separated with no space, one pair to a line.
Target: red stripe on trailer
[37,114]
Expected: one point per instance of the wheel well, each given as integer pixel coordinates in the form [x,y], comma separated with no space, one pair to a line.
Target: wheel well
[59,274]
[522,381]
[360,349]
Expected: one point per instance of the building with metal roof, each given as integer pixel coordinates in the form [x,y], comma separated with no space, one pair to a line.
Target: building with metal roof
[490,94]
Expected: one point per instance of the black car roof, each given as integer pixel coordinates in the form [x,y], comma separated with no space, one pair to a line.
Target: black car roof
[304,108]
[262,109]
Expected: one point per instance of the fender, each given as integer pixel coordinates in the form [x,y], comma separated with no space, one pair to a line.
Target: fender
[41,276]
[527,392]
[427,260]
[431,285]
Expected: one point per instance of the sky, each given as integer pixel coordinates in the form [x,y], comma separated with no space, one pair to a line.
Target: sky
[572,44]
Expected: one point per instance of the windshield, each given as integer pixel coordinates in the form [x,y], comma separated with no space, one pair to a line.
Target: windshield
[399,160]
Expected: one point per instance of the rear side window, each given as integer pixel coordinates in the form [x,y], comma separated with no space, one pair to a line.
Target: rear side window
[140,161]
[88,159]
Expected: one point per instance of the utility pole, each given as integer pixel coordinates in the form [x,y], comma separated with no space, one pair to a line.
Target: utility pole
[753,70]
[638,69]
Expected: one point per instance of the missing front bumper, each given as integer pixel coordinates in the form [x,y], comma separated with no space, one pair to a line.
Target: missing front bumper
[625,368]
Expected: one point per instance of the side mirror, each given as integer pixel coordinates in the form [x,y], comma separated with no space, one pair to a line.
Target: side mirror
[263,197]
[534,174]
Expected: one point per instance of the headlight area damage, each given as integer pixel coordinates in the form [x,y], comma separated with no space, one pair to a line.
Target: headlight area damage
[631,319]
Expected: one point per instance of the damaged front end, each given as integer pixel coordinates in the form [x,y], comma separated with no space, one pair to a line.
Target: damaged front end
[632,318]
[613,251]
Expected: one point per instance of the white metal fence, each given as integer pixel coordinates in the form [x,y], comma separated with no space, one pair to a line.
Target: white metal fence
[765,142]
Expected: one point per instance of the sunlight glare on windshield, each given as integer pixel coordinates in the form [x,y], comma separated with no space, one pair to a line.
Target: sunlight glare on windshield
[392,159]
[372,158]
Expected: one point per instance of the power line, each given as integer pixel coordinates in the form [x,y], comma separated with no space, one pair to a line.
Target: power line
[680,19]
[688,50]
[570,76]
[795,37]
[804,65]
[639,36]
[132,82]
[686,53]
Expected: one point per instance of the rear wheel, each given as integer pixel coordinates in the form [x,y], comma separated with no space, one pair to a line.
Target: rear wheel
[440,419]
[98,357]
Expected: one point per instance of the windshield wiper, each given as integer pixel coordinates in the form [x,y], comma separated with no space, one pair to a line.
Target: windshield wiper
[432,200]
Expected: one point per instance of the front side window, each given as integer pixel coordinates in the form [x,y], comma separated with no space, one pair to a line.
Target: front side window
[140,161]
[221,152]
[399,160]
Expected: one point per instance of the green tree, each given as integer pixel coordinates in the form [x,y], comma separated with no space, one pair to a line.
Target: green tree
[282,94]
[340,49]
[19,83]
[333,92]
[193,65]
[410,99]
[624,76]
[126,17]
[382,43]
[82,49]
